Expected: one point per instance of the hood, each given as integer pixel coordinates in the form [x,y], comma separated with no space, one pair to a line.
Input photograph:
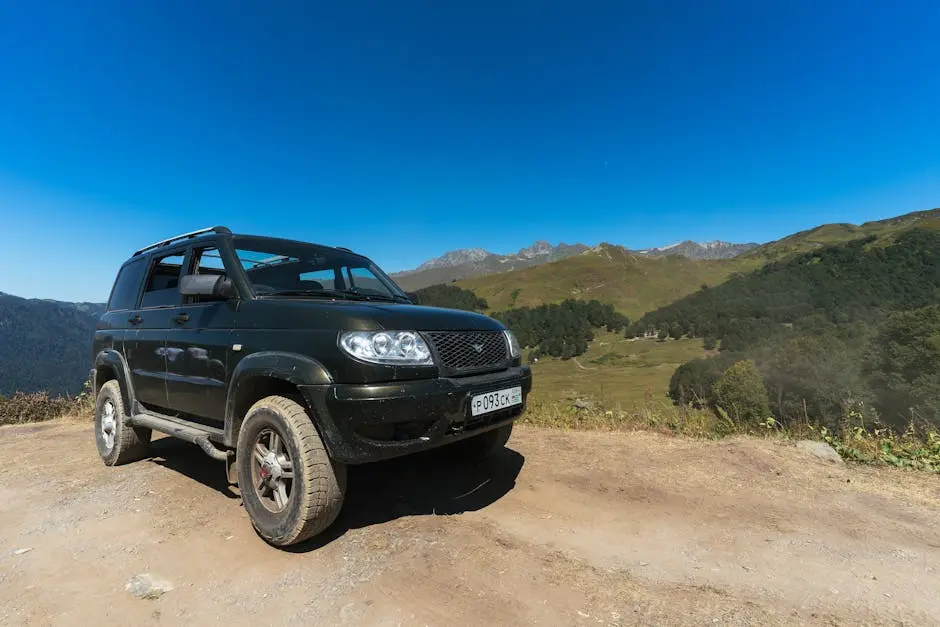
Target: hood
[422,318]
[365,316]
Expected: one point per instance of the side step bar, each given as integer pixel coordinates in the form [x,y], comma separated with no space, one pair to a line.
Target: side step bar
[197,434]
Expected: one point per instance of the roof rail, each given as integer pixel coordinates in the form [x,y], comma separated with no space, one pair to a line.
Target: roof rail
[211,229]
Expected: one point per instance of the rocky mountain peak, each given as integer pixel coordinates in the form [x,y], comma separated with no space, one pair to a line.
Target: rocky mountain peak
[455,258]
[540,247]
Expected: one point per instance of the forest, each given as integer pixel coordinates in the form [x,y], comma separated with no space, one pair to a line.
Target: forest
[450,297]
[44,345]
[852,328]
[559,330]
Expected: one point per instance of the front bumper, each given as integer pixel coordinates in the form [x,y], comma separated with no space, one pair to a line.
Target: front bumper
[364,423]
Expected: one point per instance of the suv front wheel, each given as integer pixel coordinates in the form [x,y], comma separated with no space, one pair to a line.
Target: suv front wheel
[290,488]
[117,442]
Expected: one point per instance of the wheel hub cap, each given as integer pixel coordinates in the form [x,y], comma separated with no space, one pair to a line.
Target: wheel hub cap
[108,424]
[270,469]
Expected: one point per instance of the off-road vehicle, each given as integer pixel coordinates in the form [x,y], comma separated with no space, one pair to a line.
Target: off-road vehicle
[288,361]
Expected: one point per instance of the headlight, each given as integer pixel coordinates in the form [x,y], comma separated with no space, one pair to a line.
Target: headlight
[403,348]
[514,349]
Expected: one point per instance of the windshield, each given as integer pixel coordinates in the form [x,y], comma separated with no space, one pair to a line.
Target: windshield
[297,269]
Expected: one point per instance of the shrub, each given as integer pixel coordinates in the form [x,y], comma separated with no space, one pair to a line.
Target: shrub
[24,407]
[694,381]
[740,392]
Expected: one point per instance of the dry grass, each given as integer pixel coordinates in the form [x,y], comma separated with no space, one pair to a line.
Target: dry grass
[916,448]
[659,416]
[23,407]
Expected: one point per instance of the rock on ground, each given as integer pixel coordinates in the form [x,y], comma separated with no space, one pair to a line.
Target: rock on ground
[146,586]
[821,450]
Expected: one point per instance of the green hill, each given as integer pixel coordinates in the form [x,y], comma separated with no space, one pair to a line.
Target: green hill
[822,329]
[45,345]
[610,274]
[885,231]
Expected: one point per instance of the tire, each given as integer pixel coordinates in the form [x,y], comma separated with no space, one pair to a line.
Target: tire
[286,510]
[118,443]
[486,444]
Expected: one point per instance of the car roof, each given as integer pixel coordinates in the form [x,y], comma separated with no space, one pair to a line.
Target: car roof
[211,233]
[293,242]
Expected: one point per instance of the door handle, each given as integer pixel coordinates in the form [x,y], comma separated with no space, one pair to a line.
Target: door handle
[135,319]
[181,319]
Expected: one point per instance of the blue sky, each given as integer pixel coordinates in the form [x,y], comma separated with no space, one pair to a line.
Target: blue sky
[405,129]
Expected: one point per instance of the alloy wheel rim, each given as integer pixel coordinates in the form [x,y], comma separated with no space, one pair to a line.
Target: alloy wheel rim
[272,471]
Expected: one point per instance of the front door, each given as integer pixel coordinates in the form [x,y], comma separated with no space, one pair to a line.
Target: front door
[144,343]
[197,347]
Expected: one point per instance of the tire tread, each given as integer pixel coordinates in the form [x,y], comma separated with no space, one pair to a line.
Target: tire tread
[322,500]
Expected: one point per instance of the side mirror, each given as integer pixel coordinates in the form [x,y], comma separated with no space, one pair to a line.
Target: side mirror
[211,285]
[413,297]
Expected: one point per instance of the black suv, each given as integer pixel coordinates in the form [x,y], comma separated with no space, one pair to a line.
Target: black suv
[288,361]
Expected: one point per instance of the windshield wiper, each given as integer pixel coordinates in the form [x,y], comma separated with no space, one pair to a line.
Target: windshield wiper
[385,297]
[345,294]
[318,293]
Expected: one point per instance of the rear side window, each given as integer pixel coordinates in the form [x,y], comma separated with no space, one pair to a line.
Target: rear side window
[127,286]
[162,289]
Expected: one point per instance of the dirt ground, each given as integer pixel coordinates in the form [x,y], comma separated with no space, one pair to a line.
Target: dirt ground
[561,529]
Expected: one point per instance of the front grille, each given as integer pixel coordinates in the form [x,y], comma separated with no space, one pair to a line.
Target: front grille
[457,351]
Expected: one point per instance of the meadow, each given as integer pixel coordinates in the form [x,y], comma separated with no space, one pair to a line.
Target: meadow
[615,372]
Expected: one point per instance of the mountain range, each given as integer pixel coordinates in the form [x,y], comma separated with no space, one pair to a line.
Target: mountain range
[637,282]
[467,263]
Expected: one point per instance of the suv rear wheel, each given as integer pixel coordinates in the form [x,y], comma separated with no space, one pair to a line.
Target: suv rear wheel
[118,443]
[291,489]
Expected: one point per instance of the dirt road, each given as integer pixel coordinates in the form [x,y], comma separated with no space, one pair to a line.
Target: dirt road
[562,529]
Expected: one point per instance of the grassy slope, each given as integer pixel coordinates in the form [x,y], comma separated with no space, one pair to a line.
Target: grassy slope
[614,371]
[805,241]
[610,274]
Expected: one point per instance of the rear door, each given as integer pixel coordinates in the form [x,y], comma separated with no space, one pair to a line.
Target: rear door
[113,324]
[198,345]
[145,346]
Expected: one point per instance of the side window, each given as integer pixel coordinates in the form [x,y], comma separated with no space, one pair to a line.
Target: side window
[206,261]
[127,286]
[363,280]
[162,288]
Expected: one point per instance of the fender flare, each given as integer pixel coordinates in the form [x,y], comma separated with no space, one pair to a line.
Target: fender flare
[112,359]
[291,367]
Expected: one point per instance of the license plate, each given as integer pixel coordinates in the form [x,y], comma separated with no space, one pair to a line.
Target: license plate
[494,401]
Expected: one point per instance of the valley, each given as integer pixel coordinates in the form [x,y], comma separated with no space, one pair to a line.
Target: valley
[614,373]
